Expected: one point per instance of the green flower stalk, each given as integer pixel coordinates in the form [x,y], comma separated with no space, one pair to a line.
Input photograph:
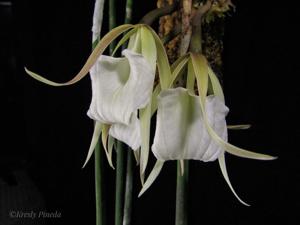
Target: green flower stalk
[112,21]
[128,199]
[100,202]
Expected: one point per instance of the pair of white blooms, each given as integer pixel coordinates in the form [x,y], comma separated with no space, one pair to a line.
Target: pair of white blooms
[188,126]
[121,86]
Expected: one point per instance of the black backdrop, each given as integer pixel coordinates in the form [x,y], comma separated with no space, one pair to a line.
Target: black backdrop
[47,133]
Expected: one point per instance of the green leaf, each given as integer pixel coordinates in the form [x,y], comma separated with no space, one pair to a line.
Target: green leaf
[95,139]
[152,177]
[222,165]
[99,49]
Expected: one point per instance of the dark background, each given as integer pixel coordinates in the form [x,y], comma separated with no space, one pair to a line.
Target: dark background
[46,133]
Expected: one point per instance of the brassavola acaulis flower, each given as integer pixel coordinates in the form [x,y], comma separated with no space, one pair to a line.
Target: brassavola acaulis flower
[180,130]
[192,125]
[122,88]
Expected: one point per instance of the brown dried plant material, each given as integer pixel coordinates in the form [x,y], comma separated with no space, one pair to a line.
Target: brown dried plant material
[166,25]
[213,43]
[212,32]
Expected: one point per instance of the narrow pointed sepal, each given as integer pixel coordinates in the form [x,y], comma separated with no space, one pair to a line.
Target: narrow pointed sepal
[106,145]
[222,165]
[152,176]
[95,139]
[99,49]
[239,127]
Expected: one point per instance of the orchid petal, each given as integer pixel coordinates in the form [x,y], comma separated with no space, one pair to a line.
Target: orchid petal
[181,162]
[216,86]
[155,93]
[162,62]
[95,139]
[152,177]
[239,127]
[111,142]
[178,70]
[191,79]
[137,156]
[99,49]
[202,89]
[148,47]
[222,164]
[199,64]
[105,132]
[145,117]
[129,34]
[180,132]
[148,50]
[134,42]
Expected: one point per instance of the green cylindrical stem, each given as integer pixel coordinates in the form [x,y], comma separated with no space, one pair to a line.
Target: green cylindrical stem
[128,12]
[196,39]
[112,22]
[151,16]
[129,169]
[100,201]
[182,179]
[181,194]
[119,183]
[128,189]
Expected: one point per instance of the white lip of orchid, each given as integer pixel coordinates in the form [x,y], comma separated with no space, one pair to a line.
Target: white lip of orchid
[121,86]
[181,133]
[130,134]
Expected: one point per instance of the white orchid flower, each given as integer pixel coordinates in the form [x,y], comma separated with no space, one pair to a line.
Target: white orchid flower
[121,86]
[180,130]
[191,126]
